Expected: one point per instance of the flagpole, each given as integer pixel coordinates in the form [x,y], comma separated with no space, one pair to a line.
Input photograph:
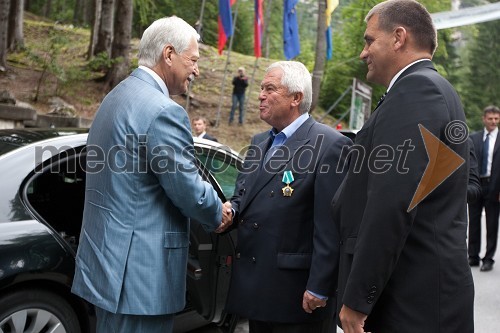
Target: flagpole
[217,119]
[198,27]
[264,35]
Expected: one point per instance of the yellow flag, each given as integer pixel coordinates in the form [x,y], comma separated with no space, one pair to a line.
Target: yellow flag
[330,7]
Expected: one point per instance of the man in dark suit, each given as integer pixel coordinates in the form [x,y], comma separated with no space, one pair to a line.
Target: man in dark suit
[200,128]
[284,275]
[486,146]
[403,254]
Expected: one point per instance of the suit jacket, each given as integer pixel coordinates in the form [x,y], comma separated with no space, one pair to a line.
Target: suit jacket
[287,244]
[494,184]
[474,185]
[209,137]
[142,187]
[407,271]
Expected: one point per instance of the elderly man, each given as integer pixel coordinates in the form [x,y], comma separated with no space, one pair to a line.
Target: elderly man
[285,271]
[142,187]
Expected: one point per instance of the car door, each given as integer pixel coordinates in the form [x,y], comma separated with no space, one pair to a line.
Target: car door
[210,254]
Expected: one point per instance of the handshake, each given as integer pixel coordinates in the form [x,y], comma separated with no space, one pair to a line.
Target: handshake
[227,217]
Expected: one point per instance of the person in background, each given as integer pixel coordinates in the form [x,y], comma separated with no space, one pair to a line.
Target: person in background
[284,275]
[200,128]
[240,84]
[142,187]
[486,146]
[403,254]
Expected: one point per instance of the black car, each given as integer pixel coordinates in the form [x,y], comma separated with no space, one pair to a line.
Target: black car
[42,181]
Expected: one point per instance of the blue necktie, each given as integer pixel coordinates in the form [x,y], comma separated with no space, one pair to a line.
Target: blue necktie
[278,141]
[486,148]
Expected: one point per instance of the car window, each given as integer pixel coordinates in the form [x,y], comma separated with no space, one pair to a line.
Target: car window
[221,165]
[57,194]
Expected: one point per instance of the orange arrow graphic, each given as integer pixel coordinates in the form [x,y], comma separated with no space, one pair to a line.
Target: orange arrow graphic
[443,162]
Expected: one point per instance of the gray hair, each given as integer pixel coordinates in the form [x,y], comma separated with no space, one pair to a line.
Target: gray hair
[412,16]
[168,30]
[296,78]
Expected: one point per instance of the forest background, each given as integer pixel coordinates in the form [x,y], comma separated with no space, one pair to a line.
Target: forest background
[60,49]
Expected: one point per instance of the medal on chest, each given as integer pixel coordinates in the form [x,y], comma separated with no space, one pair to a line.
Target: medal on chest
[287,179]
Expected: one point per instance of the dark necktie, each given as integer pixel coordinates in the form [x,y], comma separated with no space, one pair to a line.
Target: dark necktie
[381,100]
[486,148]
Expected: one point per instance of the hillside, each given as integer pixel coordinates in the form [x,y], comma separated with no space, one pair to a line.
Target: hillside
[62,51]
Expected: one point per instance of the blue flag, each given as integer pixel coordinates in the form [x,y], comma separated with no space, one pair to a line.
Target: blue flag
[291,42]
[329,48]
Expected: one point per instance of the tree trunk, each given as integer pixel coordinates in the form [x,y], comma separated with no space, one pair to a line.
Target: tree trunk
[77,12]
[105,33]
[121,43]
[319,63]
[96,21]
[4,25]
[15,39]
[47,8]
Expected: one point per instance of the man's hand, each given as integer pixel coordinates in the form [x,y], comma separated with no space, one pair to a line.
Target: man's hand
[227,217]
[310,302]
[352,321]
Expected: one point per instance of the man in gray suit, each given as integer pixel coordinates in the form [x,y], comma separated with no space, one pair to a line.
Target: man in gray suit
[403,263]
[284,275]
[142,187]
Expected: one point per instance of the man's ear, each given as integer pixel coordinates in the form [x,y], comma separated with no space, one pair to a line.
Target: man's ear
[400,37]
[168,50]
[297,98]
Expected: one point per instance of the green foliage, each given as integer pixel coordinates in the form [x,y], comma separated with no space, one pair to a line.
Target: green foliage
[47,58]
[479,83]
[100,62]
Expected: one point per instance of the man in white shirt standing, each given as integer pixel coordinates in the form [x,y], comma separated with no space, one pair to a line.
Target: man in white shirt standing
[486,146]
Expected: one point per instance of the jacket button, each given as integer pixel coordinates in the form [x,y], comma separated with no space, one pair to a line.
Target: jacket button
[253,259]
[256,226]
[241,221]
[271,194]
[238,255]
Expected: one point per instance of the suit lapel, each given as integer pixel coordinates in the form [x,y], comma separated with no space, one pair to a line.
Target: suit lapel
[276,164]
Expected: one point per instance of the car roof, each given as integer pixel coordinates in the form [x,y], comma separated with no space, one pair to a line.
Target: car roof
[11,139]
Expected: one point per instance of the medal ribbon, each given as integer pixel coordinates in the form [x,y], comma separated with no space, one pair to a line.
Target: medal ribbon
[288,177]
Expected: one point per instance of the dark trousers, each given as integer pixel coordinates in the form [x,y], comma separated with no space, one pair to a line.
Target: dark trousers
[256,326]
[491,208]
[238,100]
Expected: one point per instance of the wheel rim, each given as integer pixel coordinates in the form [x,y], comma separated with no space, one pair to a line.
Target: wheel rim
[31,321]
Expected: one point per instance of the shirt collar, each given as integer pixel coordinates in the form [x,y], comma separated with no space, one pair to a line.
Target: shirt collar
[201,134]
[401,72]
[493,134]
[292,128]
[157,78]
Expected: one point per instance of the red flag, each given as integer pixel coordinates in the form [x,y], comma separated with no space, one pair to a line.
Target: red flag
[258,24]
[225,22]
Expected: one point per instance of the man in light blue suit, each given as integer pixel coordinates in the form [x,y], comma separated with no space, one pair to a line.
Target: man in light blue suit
[142,188]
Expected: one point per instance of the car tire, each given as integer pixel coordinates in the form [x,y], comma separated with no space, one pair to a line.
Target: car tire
[36,311]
